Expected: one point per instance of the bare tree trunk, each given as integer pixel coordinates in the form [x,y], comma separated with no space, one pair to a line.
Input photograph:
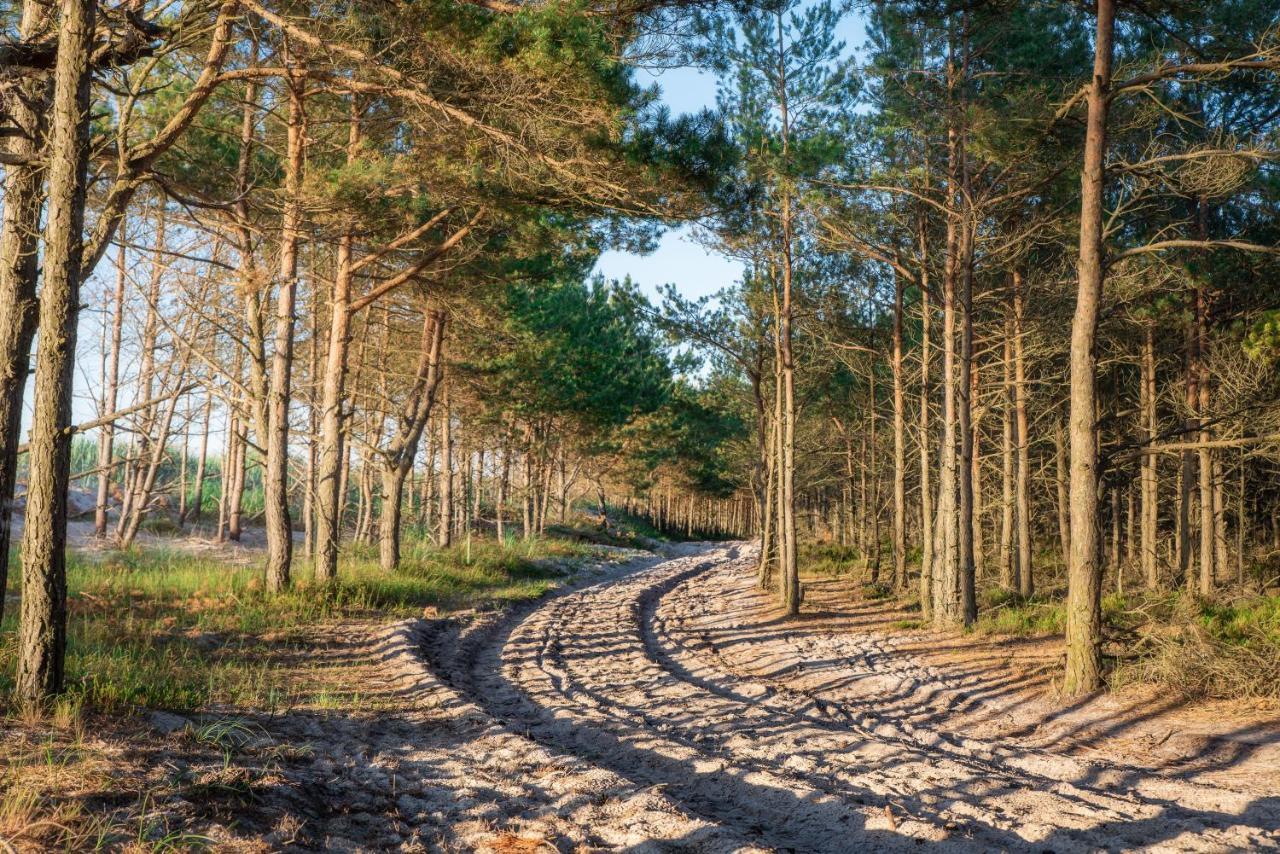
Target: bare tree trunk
[1084,590]
[1060,482]
[135,470]
[235,516]
[899,446]
[966,523]
[328,520]
[42,630]
[110,396]
[1022,439]
[446,469]
[19,260]
[1208,546]
[196,504]
[399,456]
[926,488]
[1188,471]
[1008,557]
[279,527]
[147,477]
[1150,507]
[499,504]
[947,606]
[1220,559]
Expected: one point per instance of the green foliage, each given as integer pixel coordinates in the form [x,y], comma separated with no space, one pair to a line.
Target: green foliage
[579,352]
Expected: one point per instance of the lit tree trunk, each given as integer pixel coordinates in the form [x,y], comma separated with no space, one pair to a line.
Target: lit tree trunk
[1008,558]
[135,470]
[899,446]
[42,630]
[787,528]
[332,393]
[1084,579]
[1188,470]
[446,470]
[499,504]
[768,536]
[926,488]
[965,516]
[1150,461]
[279,528]
[1208,545]
[873,473]
[949,566]
[1022,438]
[1060,482]
[235,516]
[110,397]
[398,460]
[147,476]
[196,505]
[19,260]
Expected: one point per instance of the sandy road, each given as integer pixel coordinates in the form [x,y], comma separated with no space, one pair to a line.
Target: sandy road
[654,677]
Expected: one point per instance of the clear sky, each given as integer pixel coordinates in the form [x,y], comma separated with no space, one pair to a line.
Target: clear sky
[677,259]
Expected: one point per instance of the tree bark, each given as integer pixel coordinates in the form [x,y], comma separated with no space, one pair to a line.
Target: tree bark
[328,522]
[1008,557]
[1150,507]
[1084,577]
[42,631]
[1208,536]
[899,446]
[19,261]
[398,458]
[110,396]
[279,526]
[445,538]
[926,488]
[196,505]
[1022,440]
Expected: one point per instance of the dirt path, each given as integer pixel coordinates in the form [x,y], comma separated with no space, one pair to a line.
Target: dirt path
[707,735]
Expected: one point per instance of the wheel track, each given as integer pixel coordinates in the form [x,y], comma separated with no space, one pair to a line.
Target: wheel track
[599,672]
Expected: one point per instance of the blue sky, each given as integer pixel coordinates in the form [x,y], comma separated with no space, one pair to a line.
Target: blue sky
[695,271]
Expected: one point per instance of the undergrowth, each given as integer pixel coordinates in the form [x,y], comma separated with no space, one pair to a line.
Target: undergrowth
[164,629]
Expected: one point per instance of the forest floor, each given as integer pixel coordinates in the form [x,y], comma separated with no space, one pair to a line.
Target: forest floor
[661,703]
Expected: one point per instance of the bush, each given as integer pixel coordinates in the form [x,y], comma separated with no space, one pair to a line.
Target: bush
[1211,650]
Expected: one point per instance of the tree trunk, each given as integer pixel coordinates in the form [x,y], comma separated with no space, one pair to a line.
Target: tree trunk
[947,608]
[19,261]
[445,538]
[110,397]
[42,630]
[332,394]
[1008,557]
[899,446]
[926,488]
[1022,439]
[235,516]
[1150,507]
[1084,579]
[1208,537]
[279,527]
[196,505]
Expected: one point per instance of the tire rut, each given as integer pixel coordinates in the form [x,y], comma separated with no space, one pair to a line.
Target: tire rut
[607,673]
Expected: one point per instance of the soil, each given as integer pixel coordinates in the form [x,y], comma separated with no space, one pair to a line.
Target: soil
[662,704]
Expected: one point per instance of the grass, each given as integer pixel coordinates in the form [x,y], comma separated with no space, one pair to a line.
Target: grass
[164,629]
[829,559]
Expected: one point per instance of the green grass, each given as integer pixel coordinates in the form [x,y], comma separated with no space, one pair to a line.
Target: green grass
[1006,613]
[167,630]
[1253,622]
[829,559]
